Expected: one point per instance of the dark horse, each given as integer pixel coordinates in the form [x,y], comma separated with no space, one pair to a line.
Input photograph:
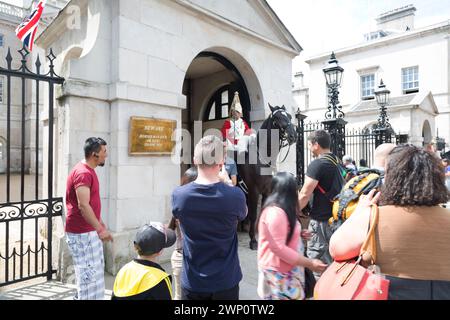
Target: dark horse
[260,158]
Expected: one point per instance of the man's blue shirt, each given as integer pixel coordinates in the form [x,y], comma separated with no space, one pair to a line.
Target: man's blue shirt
[208,216]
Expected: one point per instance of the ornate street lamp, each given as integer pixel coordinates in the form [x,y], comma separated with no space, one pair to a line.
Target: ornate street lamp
[333,75]
[300,154]
[440,142]
[334,122]
[382,96]
[383,128]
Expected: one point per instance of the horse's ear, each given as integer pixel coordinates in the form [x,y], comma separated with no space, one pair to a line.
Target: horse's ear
[272,109]
[283,107]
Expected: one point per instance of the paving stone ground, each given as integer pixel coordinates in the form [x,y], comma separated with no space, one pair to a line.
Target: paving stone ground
[40,289]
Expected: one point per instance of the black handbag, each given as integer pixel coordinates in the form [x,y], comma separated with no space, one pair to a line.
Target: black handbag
[310,282]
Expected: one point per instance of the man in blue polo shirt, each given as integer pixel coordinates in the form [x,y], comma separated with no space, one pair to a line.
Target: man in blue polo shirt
[209,211]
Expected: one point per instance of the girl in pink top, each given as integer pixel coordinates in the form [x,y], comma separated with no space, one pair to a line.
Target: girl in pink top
[281,261]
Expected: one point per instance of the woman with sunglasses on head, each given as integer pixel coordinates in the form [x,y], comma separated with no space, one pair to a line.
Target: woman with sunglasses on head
[412,235]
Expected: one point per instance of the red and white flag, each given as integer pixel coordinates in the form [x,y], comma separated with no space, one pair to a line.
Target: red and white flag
[27,29]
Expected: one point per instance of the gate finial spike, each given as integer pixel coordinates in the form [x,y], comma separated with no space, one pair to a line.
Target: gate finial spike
[24,53]
[9,58]
[38,65]
[51,57]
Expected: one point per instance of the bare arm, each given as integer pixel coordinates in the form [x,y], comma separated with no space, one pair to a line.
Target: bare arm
[234,180]
[346,242]
[83,197]
[306,191]
[223,176]
[312,264]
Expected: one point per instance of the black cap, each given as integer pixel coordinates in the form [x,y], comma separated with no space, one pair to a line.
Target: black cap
[154,237]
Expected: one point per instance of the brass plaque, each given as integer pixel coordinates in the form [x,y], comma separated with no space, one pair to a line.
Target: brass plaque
[149,136]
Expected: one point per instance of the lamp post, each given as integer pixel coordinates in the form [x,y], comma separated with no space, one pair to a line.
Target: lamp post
[333,76]
[300,148]
[334,122]
[383,130]
[440,143]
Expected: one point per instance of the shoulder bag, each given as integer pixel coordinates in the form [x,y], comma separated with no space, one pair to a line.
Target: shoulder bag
[349,280]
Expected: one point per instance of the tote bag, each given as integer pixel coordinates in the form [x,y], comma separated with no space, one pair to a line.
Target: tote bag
[349,280]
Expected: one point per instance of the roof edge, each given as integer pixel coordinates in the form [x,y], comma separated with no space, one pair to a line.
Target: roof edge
[285,31]
[378,43]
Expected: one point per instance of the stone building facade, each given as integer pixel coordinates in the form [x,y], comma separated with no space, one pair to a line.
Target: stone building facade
[168,60]
[414,64]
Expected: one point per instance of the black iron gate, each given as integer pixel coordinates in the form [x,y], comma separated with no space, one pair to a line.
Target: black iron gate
[359,143]
[22,260]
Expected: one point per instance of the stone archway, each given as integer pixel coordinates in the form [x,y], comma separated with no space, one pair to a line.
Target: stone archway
[209,85]
[427,134]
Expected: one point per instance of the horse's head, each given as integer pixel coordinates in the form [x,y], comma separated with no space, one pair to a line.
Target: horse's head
[282,121]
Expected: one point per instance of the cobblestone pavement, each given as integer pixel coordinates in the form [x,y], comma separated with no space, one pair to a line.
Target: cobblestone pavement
[40,289]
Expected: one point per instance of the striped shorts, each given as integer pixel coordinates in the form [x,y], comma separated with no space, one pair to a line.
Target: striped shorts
[87,255]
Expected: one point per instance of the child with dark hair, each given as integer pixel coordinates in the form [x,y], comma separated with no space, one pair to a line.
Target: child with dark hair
[143,278]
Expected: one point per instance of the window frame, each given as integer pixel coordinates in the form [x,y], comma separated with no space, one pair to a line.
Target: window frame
[414,80]
[361,89]
[216,100]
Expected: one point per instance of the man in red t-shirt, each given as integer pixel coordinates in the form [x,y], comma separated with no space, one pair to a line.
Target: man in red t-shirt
[84,228]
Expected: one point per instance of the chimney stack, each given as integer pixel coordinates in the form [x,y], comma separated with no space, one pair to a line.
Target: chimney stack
[397,20]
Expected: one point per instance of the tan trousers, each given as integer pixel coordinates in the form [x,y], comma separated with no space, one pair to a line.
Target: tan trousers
[177,263]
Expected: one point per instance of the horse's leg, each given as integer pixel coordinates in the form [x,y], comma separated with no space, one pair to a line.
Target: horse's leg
[252,214]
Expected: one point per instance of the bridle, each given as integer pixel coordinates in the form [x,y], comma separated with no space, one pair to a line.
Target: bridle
[283,135]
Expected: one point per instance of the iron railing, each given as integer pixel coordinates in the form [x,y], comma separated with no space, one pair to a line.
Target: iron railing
[28,207]
[359,143]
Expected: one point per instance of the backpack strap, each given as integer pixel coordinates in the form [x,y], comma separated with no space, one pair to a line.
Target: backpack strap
[333,161]
[320,189]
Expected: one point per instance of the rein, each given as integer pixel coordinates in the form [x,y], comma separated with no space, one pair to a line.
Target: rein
[282,142]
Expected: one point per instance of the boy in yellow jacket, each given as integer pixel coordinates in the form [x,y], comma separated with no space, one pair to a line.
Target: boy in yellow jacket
[143,278]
